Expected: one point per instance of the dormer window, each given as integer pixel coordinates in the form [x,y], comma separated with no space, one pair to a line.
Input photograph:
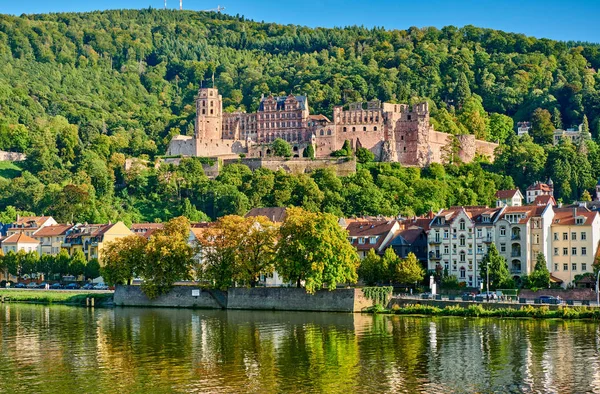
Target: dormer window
[373,240]
[579,220]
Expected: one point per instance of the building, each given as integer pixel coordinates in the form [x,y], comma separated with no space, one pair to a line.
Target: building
[573,134]
[574,243]
[523,128]
[458,240]
[367,235]
[28,225]
[539,189]
[52,237]
[92,238]
[393,132]
[509,198]
[410,240]
[20,241]
[274,214]
[146,229]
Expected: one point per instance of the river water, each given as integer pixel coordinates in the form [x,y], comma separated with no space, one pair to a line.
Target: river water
[60,349]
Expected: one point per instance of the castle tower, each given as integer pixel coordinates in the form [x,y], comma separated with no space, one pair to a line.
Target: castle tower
[209,115]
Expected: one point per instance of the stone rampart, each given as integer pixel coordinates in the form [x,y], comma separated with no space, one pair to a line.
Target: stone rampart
[12,156]
[342,167]
[263,298]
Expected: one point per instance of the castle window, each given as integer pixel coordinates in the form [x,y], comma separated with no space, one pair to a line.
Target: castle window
[328,132]
[364,129]
[409,116]
[375,128]
[322,132]
[354,129]
[210,92]
[402,138]
[204,103]
[211,103]
[211,111]
[203,111]
[404,149]
[344,129]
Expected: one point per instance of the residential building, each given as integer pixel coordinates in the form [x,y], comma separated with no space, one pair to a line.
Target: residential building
[91,238]
[20,241]
[575,237]
[410,240]
[523,128]
[458,240]
[28,225]
[367,235]
[52,237]
[573,134]
[146,229]
[539,189]
[509,198]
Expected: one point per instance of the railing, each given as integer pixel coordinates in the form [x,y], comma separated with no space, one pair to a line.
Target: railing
[487,239]
[515,254]
[516,237]
[515,270]
[435,241]
[435,255]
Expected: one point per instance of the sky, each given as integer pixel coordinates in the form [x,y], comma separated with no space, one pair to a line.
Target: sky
[556,19]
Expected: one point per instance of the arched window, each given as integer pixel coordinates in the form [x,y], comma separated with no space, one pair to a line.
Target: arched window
[463,273]
[462,240]
[365,128]
[461,224]
[329,132]
[375,128]
[354,129]
[344,129]
[515,250]
[322,132]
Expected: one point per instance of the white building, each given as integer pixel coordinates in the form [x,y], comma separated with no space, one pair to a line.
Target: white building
[539,189]
[509,198]
[16,242]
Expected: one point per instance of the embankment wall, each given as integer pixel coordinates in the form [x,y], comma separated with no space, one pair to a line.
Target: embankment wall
[264,298]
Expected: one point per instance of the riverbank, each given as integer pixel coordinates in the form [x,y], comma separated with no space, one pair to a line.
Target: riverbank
[64,297]
[478,310]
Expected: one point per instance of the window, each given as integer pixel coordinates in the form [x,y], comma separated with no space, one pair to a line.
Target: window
[375,128]
[479,233]
[344,129]
[556,251]
[361,240]
[462,272]
[446,234]
[354,129]
[565,267]
[502,231]
[556,236]
[565,251]
[574,267]
[573,236]
[574,251]
[555,267]
[373,240]
[583,266]
[584,251]
[462,224]
[462,240]
[536,239]
[565,237]
[503,247]
[462,256]
[583,235]
[364,129]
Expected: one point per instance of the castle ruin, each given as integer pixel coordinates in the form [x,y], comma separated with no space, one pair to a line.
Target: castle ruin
[393,132]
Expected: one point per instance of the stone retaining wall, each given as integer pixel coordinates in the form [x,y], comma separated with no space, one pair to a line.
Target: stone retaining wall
[262,298]
[464,304]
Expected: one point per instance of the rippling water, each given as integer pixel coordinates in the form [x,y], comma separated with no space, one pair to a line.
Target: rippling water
[61,349]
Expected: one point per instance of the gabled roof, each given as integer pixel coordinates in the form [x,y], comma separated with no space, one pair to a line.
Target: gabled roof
[475,213]
[26,220]
[19,238]
[407,237]
[280,100]
[379,229]
[506,194]
[544,199]
[53,231]
[274,214]
[319,118]
[565,217]
[540,186]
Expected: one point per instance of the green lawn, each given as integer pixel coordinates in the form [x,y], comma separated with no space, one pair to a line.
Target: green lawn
[9,170]
[54,296]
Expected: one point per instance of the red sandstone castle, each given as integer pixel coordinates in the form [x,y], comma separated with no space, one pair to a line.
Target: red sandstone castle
[393,132]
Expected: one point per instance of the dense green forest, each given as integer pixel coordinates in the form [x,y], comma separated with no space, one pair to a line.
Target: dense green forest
[81,92]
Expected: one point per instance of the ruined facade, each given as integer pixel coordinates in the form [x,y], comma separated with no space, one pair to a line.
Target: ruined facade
[393,132]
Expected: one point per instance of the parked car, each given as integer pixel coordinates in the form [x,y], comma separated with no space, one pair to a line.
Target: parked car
[545,299]
[32,285]
[88,286]
[426,296]
[20,286]
[42,285]
[73,286]
[492,295]
[56,286]
[100,286]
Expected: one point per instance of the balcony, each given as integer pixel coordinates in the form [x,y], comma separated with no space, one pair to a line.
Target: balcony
[515,270]
[435,255]
[488,239]
[515,237]
[435,241]
[516,254]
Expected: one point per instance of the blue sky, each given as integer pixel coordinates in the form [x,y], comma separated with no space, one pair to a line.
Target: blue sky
[560,20]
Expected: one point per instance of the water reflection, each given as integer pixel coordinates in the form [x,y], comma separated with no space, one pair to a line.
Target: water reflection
[65,349]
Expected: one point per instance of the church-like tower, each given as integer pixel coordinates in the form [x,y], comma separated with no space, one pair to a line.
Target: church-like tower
[209,115]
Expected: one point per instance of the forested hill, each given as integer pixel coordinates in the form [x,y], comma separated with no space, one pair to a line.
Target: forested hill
[79,92]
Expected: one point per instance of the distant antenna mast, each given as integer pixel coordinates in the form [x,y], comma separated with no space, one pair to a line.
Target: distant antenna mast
[180,5]
[165,4]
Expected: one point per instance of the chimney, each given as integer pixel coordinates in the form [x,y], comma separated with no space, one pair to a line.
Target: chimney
[574,211]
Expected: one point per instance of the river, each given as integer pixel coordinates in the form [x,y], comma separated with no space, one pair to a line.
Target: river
[61,349]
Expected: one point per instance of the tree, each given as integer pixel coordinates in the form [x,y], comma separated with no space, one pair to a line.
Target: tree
[168,258]
[451,150]
[92,269]
[540,277]
[409,270]
[371,269]
[313,248]
[309,152]
[501,126]
[585,128]
[499,277]
[61,263]
[556,118]
[256,249]
[281,148]
[123,259]
[363,155]
[462,91]
[77,264]
[542,128]
[586,196]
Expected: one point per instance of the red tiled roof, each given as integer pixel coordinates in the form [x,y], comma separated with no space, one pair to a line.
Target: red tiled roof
[19,238]
[39,220]
[146,226]
[544,199]
[54,230]
[540,186]
[564,216]
[379,229]
[504,194]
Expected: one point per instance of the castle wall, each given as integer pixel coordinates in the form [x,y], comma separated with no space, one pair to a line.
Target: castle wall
[485,148]
[220,147]
[182,145]
[341,166]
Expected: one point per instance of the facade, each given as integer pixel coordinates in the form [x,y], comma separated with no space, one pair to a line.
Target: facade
[509,198]
[91,238]
[410,240]
[575,237]
[28,225]
[572,134]
[539,189]
[367,235]
[393,132]
[20,241]
[523,128]
[52,237]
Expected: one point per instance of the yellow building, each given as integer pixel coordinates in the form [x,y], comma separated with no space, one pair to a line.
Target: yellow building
[575,237]
[51,238]
[91,238]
